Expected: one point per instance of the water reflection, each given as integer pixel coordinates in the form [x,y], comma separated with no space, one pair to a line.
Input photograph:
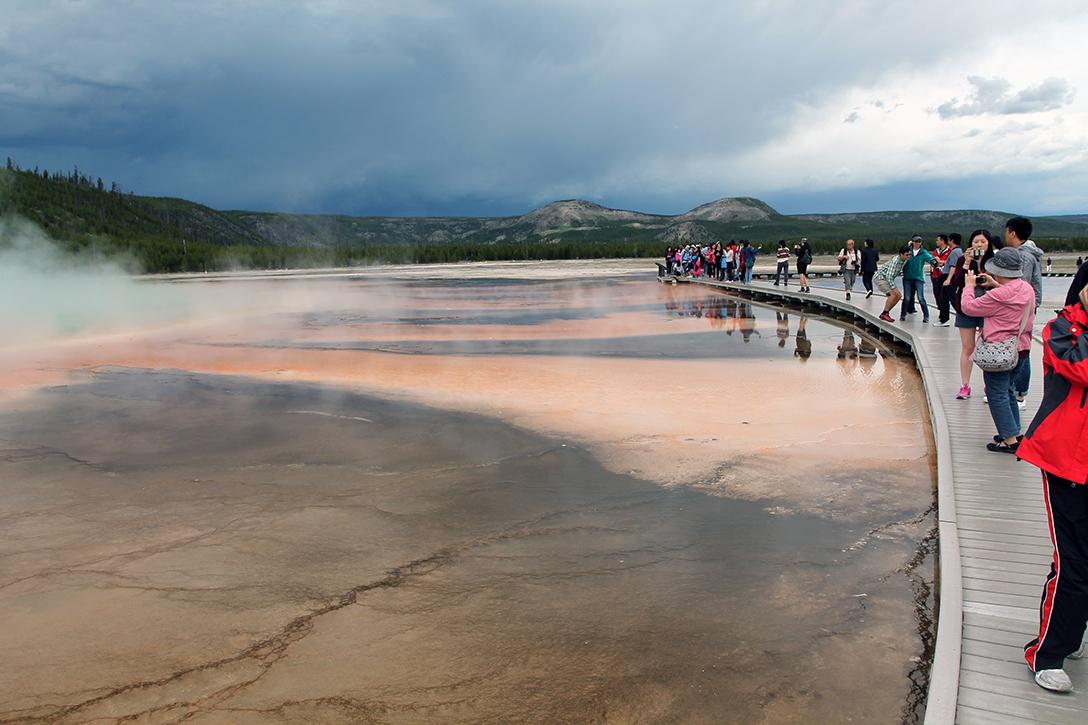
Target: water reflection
[804,346]
[857,356]
[396,492]
[735,315]
[724,313]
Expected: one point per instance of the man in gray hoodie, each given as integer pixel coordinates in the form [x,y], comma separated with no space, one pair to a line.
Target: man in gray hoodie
[1018,236]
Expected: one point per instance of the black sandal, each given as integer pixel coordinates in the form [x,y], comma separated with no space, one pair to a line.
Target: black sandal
[998,438]
[1002,447]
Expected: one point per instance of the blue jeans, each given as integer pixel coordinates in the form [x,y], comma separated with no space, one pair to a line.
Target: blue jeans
[1001,397]
[1023,377]
[914,288]
[748,275]
[782,271]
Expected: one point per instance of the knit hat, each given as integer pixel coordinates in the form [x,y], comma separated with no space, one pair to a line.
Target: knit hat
[1005,263]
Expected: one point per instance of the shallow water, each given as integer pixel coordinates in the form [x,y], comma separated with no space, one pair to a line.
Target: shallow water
[501,500]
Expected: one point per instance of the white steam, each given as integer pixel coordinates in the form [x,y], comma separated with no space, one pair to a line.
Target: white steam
[47,293]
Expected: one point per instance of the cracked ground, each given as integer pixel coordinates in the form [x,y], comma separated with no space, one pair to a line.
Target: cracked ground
[184,546]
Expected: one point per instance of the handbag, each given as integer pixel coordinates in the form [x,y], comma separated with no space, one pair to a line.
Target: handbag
[1000,357]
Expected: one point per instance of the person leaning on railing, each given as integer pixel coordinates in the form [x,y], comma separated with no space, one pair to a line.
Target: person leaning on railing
[1057,442]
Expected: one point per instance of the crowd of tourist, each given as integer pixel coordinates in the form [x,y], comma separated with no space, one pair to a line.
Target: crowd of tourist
[733,262]
[993,286]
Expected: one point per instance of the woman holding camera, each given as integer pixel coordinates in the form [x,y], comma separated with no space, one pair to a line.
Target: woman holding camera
[1006,304]
[804,259]
[980,252]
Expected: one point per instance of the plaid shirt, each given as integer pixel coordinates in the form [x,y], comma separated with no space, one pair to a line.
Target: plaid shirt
[890,270]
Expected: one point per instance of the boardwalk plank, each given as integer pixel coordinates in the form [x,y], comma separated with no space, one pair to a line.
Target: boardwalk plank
[1024,601]
[1000,668]
[1024,614]
[1043,550]
[1011,577]
[1002,565]
[1028,710]
[994,635]
[976,716]
[1042,561]
[1026,628]
[1003,587]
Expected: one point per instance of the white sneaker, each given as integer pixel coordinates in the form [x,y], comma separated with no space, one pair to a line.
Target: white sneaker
[1079,654]
[1054,680]
[1022,404]
[985,398]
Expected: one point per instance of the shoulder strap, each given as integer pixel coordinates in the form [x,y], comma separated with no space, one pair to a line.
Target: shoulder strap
[1024,319]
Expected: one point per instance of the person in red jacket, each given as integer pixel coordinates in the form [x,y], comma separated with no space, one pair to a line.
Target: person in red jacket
[1057,442]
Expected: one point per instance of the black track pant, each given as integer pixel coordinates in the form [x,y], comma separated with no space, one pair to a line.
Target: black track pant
[1063,611]
[944,301]
[867,280]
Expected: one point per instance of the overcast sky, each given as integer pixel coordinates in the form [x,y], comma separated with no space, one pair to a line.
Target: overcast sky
[480,108]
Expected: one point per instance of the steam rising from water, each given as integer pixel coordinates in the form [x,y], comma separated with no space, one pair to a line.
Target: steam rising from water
[345,497]
[46,292]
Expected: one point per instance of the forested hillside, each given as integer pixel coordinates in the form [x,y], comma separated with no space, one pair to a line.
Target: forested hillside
[159,234]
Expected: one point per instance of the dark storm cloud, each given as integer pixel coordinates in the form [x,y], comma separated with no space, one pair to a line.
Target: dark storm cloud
[430,107]
[992,95]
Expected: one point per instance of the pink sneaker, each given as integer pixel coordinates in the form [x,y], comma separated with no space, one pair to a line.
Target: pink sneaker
[965,392]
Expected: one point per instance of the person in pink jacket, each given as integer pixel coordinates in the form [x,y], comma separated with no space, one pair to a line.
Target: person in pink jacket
[1003,308]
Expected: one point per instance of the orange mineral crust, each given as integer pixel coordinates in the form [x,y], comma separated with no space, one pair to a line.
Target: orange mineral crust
[707,413]
[517,494]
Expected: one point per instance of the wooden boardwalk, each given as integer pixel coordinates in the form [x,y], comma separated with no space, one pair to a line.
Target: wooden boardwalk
[994,543]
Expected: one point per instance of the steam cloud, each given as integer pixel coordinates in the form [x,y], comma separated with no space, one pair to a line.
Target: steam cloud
[46,292]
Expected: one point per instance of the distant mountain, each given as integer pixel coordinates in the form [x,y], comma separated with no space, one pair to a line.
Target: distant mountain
[738,209]
[573,213]
[946,219]
[1081,218]
[581,220]
[963,221]
[169,234]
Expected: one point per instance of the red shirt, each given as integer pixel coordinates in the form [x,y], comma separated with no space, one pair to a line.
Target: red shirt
[942,257]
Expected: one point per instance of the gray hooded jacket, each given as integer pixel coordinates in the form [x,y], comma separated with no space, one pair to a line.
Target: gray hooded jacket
[1032,258]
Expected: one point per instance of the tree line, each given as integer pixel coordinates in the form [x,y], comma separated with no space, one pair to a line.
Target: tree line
[87,216]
